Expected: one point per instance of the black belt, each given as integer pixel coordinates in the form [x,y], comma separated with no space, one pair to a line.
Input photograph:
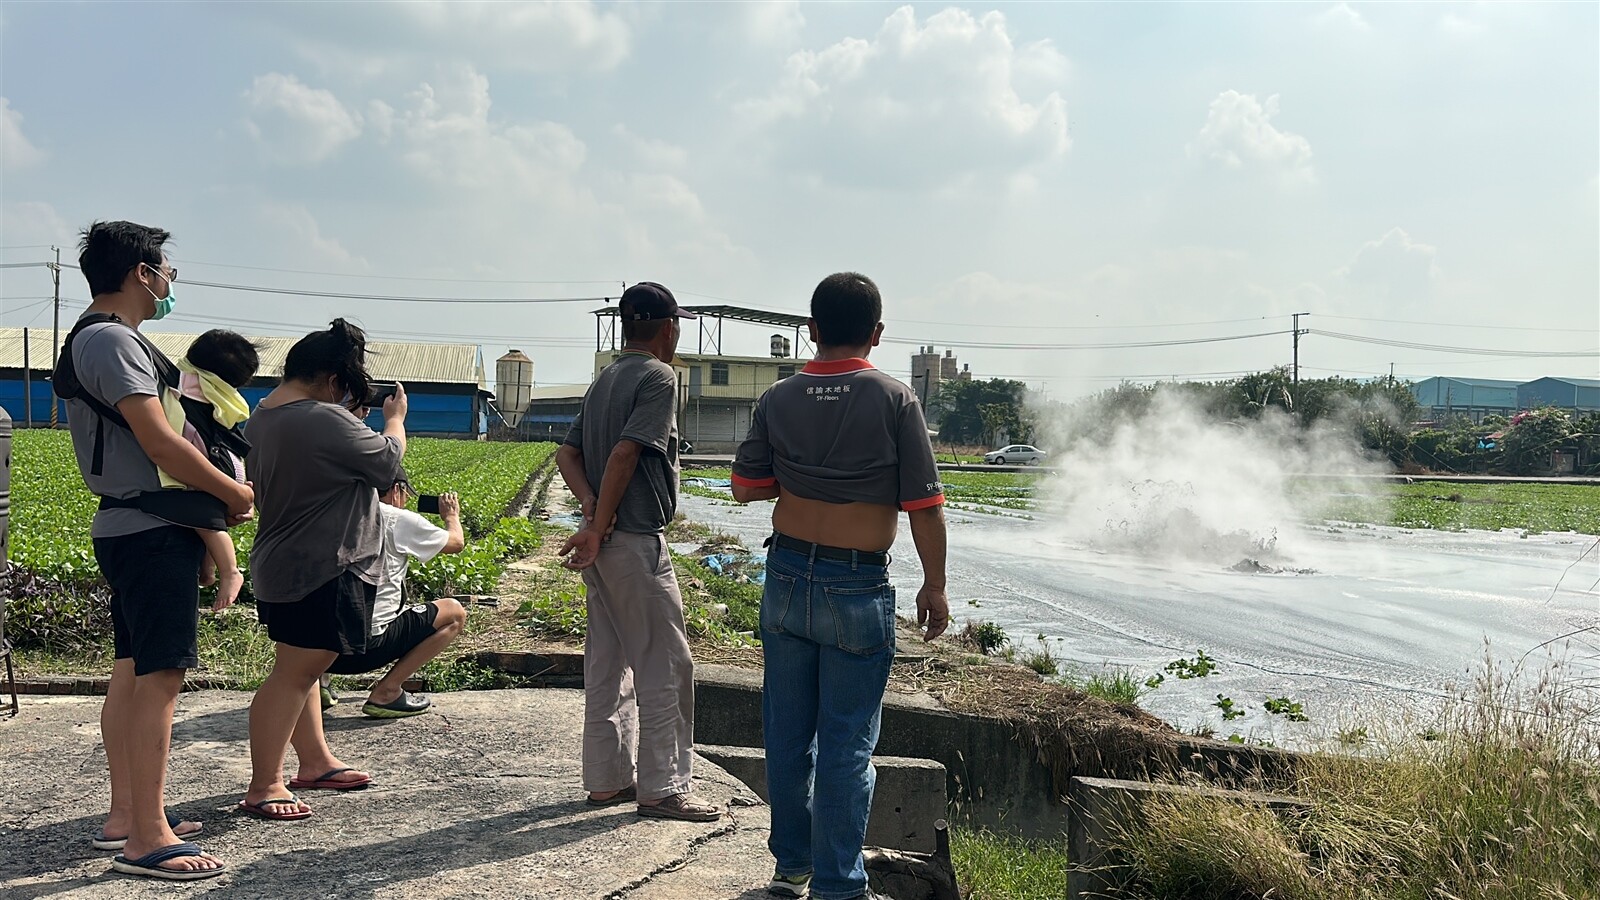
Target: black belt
[114,503]
[834,554]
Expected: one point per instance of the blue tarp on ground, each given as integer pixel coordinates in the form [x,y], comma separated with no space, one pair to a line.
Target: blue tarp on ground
[709,482]
[754,565]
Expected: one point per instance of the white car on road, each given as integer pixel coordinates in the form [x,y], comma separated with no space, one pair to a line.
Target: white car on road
[1015,455]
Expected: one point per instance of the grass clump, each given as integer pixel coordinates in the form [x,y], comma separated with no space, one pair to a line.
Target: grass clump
[1501,799]
[1113,685]
[986,637]
[1039,658]
[999,867]
[234,646]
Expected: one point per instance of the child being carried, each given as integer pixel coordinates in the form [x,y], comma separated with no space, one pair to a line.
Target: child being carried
[218,364]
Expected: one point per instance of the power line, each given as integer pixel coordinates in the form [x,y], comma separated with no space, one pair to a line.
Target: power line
[1444,324]
[1440,348]
[190,262]
[1127,345]
[1083,327]
[339,295]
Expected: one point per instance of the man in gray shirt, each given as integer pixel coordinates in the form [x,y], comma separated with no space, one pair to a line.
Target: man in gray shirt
[151,565]
[621,461]
[843,448]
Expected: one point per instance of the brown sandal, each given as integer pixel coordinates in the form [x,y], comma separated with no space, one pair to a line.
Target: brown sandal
[683,808]
[626,795]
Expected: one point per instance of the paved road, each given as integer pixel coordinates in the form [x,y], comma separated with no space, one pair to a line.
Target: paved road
[1388,618]
[478,799]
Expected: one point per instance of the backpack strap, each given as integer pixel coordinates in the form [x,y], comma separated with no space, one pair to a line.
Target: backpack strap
[65,384]
[213,434]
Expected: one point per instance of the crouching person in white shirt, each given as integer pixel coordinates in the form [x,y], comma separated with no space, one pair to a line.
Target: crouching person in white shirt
[406,637]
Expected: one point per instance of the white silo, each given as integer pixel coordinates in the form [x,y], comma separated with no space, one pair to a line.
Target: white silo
[513,375]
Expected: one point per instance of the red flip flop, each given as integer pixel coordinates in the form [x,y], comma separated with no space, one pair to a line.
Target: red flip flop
[326,782]
[260,811]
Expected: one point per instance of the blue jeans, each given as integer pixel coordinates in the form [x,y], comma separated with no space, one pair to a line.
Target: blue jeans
[827,635]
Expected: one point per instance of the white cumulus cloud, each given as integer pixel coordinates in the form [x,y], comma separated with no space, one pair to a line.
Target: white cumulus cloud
[771,21]
[295,123]
[1344,16]
[652,153]
[532,184]
[16,151]
[1239,134]
[448,137]
[1395,267]
[294,223]
[396,37]
[919,104]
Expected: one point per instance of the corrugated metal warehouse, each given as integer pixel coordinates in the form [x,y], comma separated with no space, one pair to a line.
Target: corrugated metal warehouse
[1579,395]
[449,396]
[1474,398]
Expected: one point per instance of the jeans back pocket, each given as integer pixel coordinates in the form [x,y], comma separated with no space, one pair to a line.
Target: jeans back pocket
[863,616]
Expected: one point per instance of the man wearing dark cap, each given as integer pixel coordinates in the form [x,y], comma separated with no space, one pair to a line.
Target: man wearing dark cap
[621,461]
[844,449]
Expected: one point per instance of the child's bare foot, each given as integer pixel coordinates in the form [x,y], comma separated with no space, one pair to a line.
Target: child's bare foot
[208,574]
[229,583]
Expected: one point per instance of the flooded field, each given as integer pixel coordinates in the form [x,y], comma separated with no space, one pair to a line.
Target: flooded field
[1362,623]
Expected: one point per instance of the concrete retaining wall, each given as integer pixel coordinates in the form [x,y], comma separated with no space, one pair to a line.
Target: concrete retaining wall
[995,780]
[909,798]
[1100,809]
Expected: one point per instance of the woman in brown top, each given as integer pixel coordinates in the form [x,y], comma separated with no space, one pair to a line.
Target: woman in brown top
[317,470]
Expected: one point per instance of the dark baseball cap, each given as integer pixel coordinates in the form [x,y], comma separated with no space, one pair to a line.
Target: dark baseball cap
[648,301]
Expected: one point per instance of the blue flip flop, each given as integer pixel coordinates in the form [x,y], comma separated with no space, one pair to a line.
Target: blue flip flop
[101,842]
[149,865]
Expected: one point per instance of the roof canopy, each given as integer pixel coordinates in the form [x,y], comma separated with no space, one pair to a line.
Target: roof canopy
[388,361]
[736,313]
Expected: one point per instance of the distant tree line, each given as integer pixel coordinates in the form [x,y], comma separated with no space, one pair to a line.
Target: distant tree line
[1381,416]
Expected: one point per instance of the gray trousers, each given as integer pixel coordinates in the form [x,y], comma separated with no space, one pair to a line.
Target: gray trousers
[638,674]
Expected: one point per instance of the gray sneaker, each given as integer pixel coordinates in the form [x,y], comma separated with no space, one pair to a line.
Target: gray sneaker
[789,885]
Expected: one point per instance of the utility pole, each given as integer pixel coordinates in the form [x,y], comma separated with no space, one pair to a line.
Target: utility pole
[1391,374]
[27,378]
[1297,333]
[55,334]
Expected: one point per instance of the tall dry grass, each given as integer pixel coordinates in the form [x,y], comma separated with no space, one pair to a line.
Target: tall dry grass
[1499,800]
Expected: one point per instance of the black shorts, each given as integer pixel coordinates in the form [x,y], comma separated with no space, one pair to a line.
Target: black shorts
[336,617]
[410,628]
[155,596]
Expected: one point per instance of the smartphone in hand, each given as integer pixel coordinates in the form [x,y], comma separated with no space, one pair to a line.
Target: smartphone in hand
[379,391]
[428,504]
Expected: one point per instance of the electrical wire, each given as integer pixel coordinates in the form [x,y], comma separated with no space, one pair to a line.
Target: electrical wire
[1126,345]
[1440,348]
[1443,324]
[421,278]
[339,295]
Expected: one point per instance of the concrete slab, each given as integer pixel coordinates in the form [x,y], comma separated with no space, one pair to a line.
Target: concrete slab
[1102,808]
[480,799]
[908,799]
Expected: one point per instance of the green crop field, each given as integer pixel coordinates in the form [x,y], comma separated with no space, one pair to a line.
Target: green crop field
[1429,504]
[53,557]
[1449,506]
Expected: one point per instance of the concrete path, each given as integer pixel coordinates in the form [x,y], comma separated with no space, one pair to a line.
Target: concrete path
[479,799]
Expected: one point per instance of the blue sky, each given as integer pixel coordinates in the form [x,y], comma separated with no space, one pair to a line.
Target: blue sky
[1032,174]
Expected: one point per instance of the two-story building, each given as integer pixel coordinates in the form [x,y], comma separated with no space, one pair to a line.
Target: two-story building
[717,392]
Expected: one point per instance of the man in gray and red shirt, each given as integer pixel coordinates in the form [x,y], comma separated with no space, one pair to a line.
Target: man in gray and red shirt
[844,449]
